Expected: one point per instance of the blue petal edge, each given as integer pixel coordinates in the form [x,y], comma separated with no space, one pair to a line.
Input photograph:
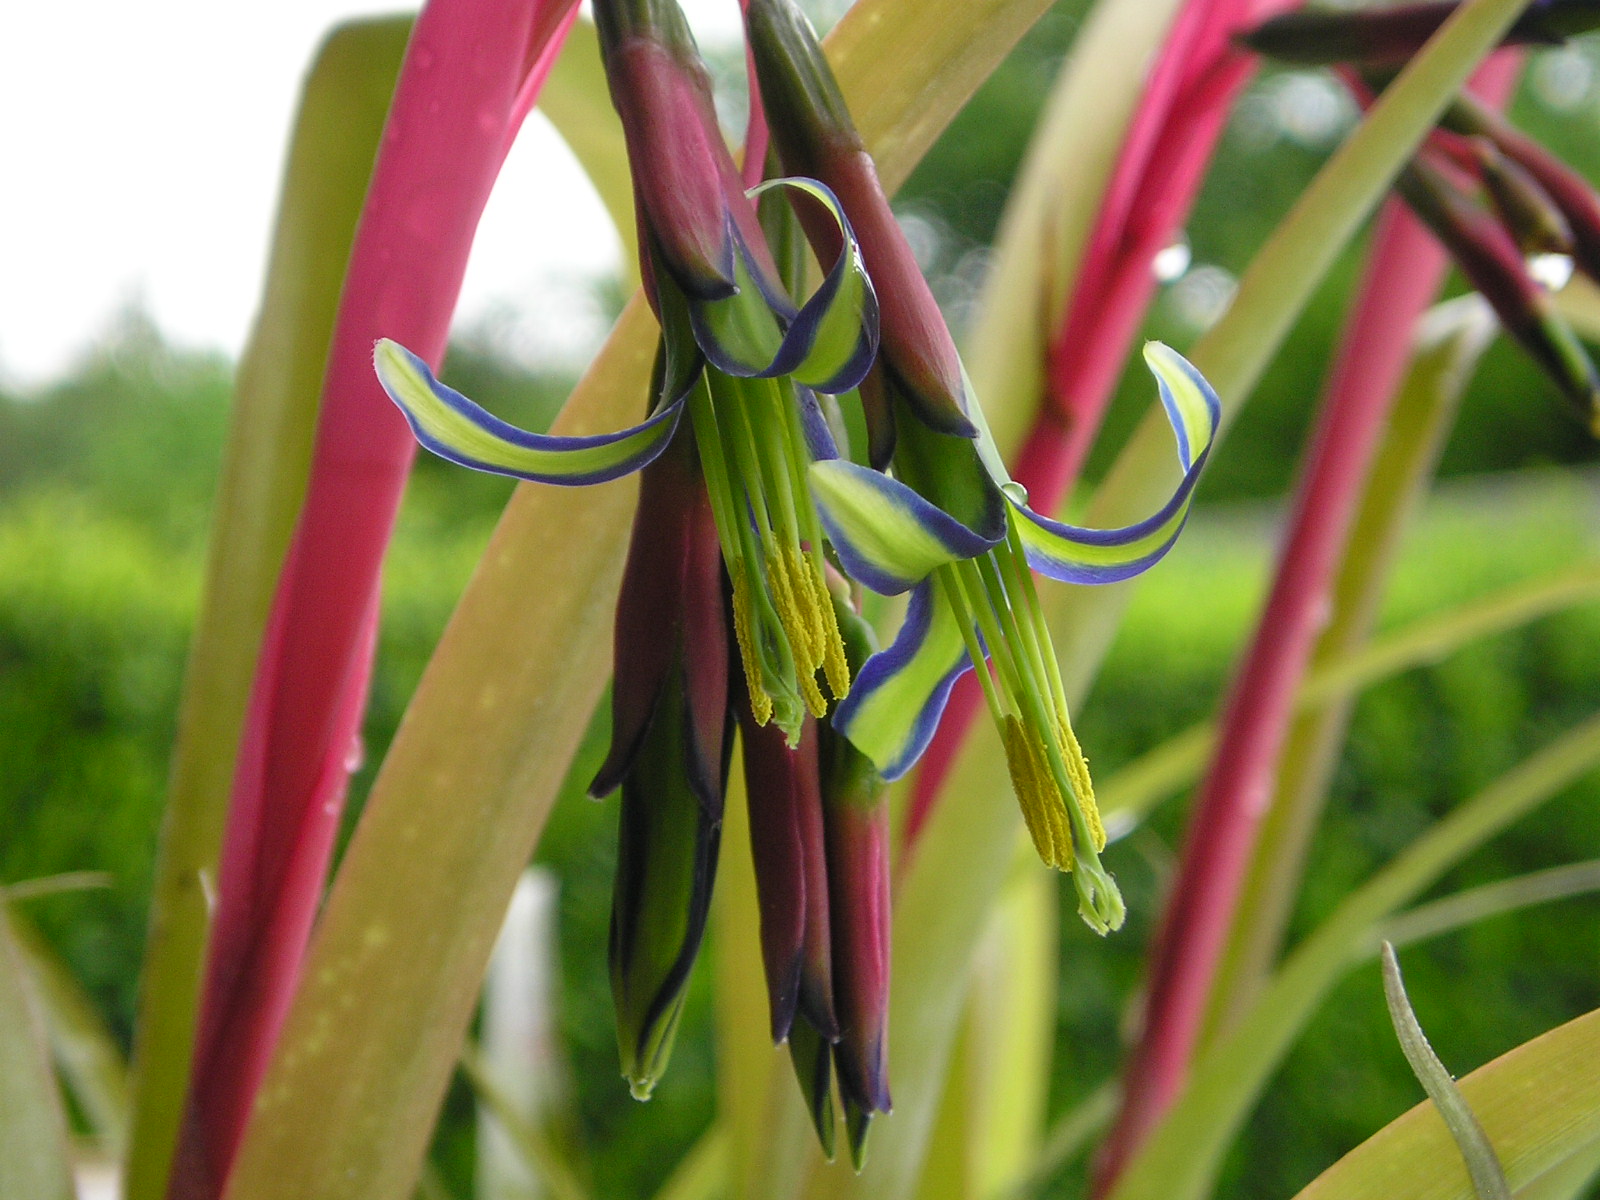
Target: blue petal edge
[504,430]
[884,665]
[960,541]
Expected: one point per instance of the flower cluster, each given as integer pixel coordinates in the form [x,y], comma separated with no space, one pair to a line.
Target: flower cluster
[831,444]
[1497,200]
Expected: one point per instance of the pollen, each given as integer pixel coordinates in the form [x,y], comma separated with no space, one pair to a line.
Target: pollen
[760,701]
[835,667]
[795,599]
[1078,776]
[1043,810]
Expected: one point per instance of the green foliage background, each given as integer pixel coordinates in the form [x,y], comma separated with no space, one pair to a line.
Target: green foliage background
[105,483]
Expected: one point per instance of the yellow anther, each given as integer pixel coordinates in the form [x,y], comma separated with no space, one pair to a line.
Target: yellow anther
[816,702]
[790,613]
[760,701]
[1042,808]
[1078,776]
[835,667]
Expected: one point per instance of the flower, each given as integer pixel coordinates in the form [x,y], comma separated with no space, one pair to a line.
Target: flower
[777,477]
[726,487]
[745,362]
[975,605]
[949,524]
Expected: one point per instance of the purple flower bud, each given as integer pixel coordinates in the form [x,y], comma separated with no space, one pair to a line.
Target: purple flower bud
[664,102]
[787,844]
[814,136]
[858,875]
[670,740]
[857,810]
[1389,36]
[1494,265]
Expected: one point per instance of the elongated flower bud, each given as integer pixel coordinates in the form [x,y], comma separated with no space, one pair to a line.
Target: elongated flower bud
[669,753]
[680,165]
[786,842]
[1491,261]
[857,809]
[814,135]
[1389,36]
[1567,189]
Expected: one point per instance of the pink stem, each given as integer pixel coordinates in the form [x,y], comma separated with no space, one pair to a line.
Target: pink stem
[757,137]
[1404,272]
[471,69]
[1192,86]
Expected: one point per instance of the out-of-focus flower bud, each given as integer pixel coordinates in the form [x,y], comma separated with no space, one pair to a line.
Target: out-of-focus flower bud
[1494,265]
[1567,190]
[1389,36]
[1525,208]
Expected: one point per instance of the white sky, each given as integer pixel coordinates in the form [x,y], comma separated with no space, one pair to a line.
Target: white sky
[141,147]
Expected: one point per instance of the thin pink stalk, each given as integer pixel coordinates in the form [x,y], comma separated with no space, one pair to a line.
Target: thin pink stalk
[1403,275]
[1192,86]
[471,71]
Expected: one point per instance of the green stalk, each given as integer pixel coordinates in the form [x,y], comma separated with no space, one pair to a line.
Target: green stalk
[1181,1158]
[1134,790]
[84,1048]
[542,1156]
[34,1163]
[1491,900]
[263,480]
[1488,1176]
[1540,1104]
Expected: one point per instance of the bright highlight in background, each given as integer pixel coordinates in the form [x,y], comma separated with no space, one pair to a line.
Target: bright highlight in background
[143,147]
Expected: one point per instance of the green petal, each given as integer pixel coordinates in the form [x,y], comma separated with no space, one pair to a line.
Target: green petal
[887,536]
[896,700]
[455,428]
[1074,554]
[828,345]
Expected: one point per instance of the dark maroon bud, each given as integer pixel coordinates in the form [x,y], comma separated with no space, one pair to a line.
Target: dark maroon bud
[1389,36]
[671,735]
[790,854]
[1494,265]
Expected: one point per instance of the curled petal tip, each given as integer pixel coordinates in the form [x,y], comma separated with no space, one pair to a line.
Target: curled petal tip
[1074,554]
[453,427]
[828,345]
